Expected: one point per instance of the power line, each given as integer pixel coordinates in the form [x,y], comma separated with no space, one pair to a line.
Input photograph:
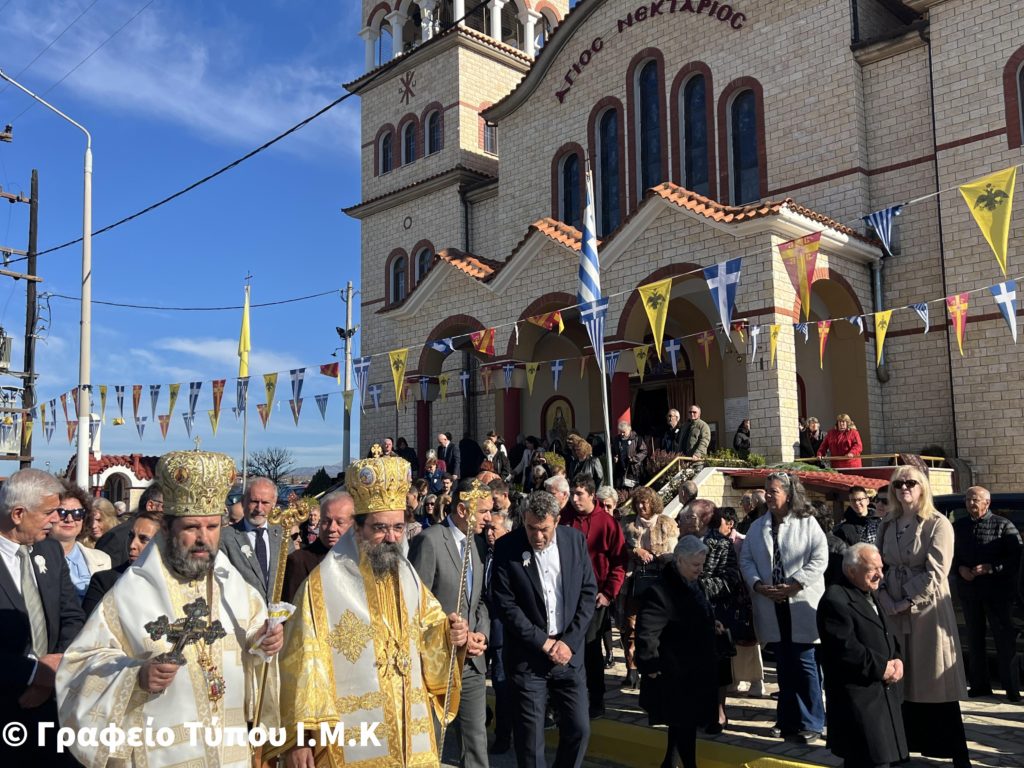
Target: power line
[53,42]
[197,309]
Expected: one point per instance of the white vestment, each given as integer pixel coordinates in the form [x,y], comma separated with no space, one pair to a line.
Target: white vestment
[97,681]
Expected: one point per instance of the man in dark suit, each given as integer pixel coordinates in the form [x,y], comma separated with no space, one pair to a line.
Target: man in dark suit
[545,590]
[862,664]
[115,542]
[438,554]
[672,440]
[252,546]
[336,512]
[448,452]
[39,612]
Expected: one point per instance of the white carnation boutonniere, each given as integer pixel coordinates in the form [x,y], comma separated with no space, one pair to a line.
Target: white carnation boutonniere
[247,550]
[40,563]
[527,557]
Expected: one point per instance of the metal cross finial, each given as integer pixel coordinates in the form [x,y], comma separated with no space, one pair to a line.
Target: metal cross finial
[197,439]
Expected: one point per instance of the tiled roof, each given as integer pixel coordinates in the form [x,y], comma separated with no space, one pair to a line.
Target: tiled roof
[560,232]
[143,467]
[474,266]
[459,168]
[833,481]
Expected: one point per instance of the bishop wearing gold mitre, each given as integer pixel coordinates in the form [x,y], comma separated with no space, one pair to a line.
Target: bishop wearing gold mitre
[177,644]
[368,643]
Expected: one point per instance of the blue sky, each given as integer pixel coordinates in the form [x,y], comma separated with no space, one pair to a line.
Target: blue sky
[183,89]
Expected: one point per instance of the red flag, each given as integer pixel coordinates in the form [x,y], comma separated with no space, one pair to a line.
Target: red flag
[740,326]
[483,341]
[331,369]
[549,320]
[218,393]
[957,306]
[799,256]
[136,396]
[264,411]
[165,420]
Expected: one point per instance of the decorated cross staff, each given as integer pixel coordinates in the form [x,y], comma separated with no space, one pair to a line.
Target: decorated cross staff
[189,629]
[470,498]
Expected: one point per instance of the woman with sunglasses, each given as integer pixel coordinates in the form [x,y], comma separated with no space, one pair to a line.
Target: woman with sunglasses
[83,562]
[916,543]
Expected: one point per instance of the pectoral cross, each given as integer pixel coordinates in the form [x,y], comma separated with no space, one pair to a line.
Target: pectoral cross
[191,628]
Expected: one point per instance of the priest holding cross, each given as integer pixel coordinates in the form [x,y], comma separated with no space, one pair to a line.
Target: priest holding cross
[179,641]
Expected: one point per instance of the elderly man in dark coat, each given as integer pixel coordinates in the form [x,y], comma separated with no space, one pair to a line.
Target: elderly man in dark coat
[863,668]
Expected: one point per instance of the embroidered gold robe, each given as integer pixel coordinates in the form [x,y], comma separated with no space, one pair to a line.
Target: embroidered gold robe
[362,651]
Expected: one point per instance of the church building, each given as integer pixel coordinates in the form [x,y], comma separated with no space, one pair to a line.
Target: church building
[714,131]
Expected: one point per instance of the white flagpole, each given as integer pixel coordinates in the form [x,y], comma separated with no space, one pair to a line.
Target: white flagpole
[609,478]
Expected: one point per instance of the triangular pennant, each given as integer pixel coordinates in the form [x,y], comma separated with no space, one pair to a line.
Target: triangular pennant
[549,320]
[802,328]
[923,313]
[405,393]
[94,429]
[375,391]
[611,362]
[136,399]
[26,433]
[485,377]
[172,394]
[165,420]
[557,366]
[672,348]
[723,280]
[270,387]
[333,370]
[264,411]
[218,394]
[42,412]
[1005,295]
[799,257]
[823,328]
[640,354]
[72,428]
[321,403]
[398,359]
[957,306]
[296,406]
[773,342]
[194,388]
[119,394]
[298,375]
[531,374]
[858,321]
[583,365]
[464,378]
[593,315]
[881,328]
[347,396]
[154,396]
[236,413]
[881,223]
[483,341]
[655,297]
[444,346]
[241,394]
[244,340]
[103,402]
[424,387]
[190,420]
[704,341]
[515,333]
[64,404]
[140,425]
[442,385]
[361,370]
[509,370]
[991,202]
[74,401]
[740,328]
[755,331]
[48,427]
[214,420]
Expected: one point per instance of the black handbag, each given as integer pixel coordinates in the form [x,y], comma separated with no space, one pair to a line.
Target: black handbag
[725,648]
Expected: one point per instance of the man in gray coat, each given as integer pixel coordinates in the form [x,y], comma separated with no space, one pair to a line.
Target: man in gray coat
[437,554]
[698,435]
[251,544]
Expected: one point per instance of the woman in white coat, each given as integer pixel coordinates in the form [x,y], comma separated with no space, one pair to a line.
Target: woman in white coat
[783,562]
[83,561]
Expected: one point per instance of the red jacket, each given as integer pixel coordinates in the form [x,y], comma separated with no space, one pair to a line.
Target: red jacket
[606,545]
[842,443]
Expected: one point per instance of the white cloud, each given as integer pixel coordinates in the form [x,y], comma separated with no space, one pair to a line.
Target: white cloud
[224,354]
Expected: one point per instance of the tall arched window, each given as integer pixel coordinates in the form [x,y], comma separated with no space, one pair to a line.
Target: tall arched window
[398,274]
[385,47]
[693,106]
[608,173]
[408,143]
[570,203]
[542,32]
[745,170]
[435,139]
[648,127]
[1020,98]
[511,26]
[424,261]
[387,154]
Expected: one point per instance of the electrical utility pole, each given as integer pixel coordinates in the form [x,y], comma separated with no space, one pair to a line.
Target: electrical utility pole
[346,335]
[28,396]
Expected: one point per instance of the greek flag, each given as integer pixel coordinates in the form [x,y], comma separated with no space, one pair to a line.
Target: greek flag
[723,280]
[1005,295]
[922,312]
[881,222]
[593,315]
[444,346]
[801,328]
[361,370]
[508,369]
[590,266]
[611,362]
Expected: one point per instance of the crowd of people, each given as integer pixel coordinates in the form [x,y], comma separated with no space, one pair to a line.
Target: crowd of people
[416,584]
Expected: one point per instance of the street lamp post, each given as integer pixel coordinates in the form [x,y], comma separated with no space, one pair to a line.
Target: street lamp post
[85,346]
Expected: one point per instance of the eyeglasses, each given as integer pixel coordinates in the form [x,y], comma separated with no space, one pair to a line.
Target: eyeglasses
[859,499]
[74,514]
[900,484]
[431,504]
[398,528]
[697,412]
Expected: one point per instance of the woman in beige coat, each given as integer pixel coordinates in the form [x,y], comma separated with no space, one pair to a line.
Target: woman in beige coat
[916,543]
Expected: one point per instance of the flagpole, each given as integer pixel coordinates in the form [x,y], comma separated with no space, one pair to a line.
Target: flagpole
[609,477]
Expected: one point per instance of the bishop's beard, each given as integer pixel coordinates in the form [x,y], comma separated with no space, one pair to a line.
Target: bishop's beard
[182,560]
[384,558]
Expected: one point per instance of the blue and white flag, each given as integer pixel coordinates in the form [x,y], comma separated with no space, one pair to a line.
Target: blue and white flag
[154,395]
[1005,295]
[321,403]
[464,378]
[589,289]
[672,347]
[593,316]
[118,391]
[557,366]
[444,346]
[298,375]
[922,312]
[361,370]
[611,362]
[508,369]
[858,321]
[424,387]
[190,420]
[241,394]
[375,391]
[723,280]
[801,328]
[881,222]
[194,388]
[754,331]
[48,427]
[140,425]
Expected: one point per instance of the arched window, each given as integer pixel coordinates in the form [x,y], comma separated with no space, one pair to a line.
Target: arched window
[693,106]
[435,138]
[398,274]
[385,48]
[1013,98]
[490,138]
[542,32]
[648,127]
[570,199]
[387,153]
[745,171]
[424,261]
[409,143]
[511,27]
[608,180]
[1020,98]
